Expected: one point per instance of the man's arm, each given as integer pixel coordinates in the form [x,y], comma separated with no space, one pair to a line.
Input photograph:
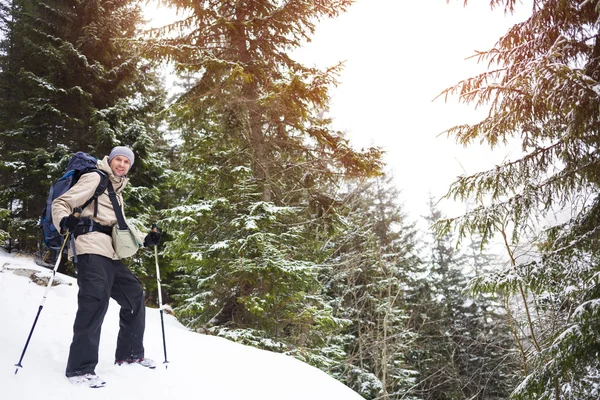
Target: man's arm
[81,192]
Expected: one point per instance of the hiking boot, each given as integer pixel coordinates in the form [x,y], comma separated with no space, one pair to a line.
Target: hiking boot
[87,380]
[144,362]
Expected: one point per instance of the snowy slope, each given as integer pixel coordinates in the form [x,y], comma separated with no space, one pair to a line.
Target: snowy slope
[200,366]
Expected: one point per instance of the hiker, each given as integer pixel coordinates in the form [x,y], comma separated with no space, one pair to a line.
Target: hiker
[101,274]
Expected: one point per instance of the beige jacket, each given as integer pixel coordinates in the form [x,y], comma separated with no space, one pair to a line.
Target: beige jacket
[92,242]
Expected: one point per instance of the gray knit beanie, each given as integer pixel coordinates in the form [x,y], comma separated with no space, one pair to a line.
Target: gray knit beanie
[121,151]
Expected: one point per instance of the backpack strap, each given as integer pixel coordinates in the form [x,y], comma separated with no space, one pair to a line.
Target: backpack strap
[118,212]
[99,190]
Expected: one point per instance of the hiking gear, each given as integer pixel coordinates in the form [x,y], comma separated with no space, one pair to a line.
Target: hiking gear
[162,320]
[153,237]
[87,225]
[88,380]
[100,278]
[121,151]
[93,242]
[81,163]
[50,281]
[126,239]
[144,362]
[70,222]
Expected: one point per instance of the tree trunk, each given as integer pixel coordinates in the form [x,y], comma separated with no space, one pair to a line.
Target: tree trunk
[255,136]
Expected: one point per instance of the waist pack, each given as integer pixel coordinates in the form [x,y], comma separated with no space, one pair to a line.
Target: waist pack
[127,239]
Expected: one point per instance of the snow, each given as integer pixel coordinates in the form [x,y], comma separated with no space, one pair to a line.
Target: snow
[468,303]
[200,366]
[570,289]
[220,245]
[589,306]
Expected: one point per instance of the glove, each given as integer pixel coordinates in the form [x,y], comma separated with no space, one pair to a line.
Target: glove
[70,222]
[153,237]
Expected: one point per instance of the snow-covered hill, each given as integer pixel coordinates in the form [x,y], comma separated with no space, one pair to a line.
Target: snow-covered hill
[200,367]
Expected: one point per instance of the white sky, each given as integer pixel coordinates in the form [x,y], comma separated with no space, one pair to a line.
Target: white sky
[399,55]
[200,366]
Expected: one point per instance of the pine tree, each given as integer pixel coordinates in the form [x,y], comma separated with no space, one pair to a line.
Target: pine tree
[255,164]
[464,348]
[70,76]
[241,269]
[438,319]
[373,265]
[247,79]
[542,90]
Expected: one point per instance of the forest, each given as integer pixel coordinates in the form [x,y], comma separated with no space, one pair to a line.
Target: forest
[279,234]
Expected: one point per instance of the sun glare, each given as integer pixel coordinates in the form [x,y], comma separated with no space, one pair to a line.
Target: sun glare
[158,16]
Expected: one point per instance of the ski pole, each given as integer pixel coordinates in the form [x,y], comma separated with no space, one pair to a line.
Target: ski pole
[162,320]
[77,211]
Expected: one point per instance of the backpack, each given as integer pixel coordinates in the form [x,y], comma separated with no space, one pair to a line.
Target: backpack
[81,163]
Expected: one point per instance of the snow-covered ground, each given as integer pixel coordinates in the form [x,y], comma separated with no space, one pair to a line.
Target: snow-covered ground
[200,366]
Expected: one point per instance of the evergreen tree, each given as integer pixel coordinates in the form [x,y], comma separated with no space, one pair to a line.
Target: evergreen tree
[374,263]
[464,349]
[255,163]
[71,79]
[542,90]
[246,78]
[242,272]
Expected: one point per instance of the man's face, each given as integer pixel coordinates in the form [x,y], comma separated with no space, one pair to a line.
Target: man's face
[120,165]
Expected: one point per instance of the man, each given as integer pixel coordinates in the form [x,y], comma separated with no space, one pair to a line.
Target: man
[100,272]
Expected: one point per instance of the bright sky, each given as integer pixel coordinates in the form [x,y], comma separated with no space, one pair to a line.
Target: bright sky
[399,55]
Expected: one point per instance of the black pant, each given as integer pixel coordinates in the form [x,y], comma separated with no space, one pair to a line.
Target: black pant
[100,278]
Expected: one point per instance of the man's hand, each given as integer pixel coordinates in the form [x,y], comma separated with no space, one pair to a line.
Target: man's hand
[153,237]
[70,222]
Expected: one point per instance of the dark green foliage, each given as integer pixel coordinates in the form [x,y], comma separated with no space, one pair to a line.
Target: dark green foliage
[71,79]
[239,257]
[253,207]
[271,103]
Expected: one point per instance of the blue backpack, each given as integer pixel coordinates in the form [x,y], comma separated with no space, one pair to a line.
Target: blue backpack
[81,163]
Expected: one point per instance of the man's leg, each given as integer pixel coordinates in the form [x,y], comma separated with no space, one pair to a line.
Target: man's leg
[128,292]
[94,278]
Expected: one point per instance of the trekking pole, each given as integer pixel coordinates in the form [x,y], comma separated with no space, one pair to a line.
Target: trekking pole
[77,211]
[162,320]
